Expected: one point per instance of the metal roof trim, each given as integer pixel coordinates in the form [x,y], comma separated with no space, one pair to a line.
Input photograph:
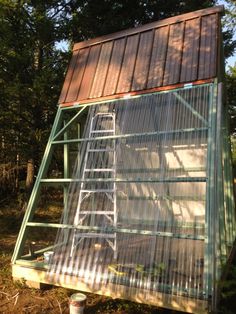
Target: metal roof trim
[149,91]
[168,21]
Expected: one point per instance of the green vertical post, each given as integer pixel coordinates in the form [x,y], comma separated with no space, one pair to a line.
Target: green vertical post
[215,247]
[36,189]
[220,208]
[230,183]
[65,175]
[227,191]
[210,196]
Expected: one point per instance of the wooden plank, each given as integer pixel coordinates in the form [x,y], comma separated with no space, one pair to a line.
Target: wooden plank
[159,50]
[142,61]
[114,67]
[208,47]
[190,51]
[126,74]
[77,76]
[170,301]
[164,22]
[68,77]
[102,68]
[174,51]
[89,72]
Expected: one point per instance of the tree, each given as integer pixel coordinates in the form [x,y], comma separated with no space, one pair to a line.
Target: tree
[231,97]
[87,18]
[31,75]
[32,67]
[229,28]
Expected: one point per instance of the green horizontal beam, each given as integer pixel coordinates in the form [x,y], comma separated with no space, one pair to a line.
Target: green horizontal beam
[164,197]
[132,135]
[49,225]
[164,224]
[162,170]
[41,251]
[135,180]
[109,230]
[161,223]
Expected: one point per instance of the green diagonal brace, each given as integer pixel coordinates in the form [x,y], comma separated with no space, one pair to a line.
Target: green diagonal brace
[66,126]
[187,105]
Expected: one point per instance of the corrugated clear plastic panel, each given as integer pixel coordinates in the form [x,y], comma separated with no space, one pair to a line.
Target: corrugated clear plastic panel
[137,213]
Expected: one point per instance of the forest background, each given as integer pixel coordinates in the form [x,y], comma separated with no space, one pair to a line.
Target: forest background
[36,37]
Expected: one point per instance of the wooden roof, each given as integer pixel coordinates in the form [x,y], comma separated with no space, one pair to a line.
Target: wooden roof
[173,51]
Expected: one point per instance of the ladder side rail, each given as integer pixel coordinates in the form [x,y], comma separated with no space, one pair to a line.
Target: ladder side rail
[109,192]
[115,189]
[81,198]
[77,219]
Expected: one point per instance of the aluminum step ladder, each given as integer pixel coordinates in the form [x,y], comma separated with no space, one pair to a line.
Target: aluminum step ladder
[95,130]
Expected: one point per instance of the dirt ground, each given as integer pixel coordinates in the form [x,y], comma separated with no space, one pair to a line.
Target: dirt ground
[16,297]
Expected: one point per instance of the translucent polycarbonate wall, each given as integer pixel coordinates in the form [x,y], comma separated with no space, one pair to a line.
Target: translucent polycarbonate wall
[138,199]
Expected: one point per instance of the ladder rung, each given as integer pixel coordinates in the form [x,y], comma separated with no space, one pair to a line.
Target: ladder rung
[98,191]
[97,212]
[103,131]
[95,235]
[99,170]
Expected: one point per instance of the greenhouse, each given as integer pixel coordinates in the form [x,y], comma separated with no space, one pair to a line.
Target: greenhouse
[140,155]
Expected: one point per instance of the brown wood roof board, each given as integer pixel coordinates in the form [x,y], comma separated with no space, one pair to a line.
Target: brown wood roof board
[176,50]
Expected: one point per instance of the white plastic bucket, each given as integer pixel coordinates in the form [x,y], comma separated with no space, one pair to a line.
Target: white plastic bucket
[47,256]
[77,303]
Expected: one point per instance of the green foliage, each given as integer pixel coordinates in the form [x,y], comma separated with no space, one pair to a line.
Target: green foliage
[31,75]
[231,97]
[233,149]
[87,18]
[32,67]
[229,27]
[228,292]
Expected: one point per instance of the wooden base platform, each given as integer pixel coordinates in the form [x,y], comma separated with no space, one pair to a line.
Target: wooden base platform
[37,277]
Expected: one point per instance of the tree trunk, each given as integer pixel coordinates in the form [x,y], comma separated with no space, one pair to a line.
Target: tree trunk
[30,176]
[17,172]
